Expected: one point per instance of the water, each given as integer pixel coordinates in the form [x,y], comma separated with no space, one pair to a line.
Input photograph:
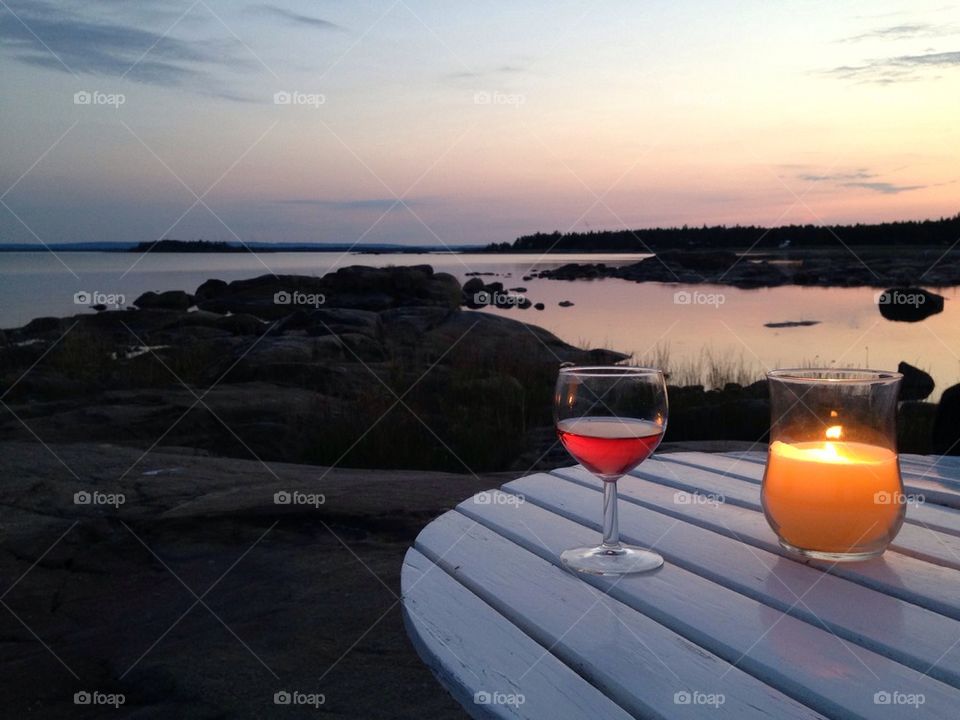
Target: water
[631,317]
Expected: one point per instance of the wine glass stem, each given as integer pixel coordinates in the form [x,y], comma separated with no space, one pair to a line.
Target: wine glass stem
[611,527]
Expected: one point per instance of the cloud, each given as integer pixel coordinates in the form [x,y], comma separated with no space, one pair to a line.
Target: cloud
[499,71]
[896,69]
[904,31]
[884,187]
[298,19]
[381,204]
[838,176]
[859,178]
[40,35]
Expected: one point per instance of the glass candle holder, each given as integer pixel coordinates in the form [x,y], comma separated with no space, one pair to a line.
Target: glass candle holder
[832,488]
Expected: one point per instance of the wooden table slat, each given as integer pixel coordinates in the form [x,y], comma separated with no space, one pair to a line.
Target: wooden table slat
[731,615]
[914,636]
[782,651]
[910,579]
[473,649]
[914,539]
[938,490]
[633,659]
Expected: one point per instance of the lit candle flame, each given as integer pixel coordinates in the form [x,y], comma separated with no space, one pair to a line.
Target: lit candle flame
[834,432]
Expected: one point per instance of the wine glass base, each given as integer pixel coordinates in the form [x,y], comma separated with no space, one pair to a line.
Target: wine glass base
[624,560]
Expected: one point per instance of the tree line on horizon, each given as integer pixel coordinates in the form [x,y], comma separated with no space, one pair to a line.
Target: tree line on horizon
[945,231]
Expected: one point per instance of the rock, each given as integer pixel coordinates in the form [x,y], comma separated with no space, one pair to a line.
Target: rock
[271,297]
[339,321]
[518,289]
[792,323]
[298,386]
[909,304]
[946,424]
[211,289]
[169,300]
[242,324]
[200,515]
[99,307]
[565,303]
[41,325]
[473,285]
[916,384]
[539,306]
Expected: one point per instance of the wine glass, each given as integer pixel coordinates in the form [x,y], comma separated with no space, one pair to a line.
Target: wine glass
[610,419]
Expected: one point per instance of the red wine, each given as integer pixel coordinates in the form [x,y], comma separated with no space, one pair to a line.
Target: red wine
[609,445]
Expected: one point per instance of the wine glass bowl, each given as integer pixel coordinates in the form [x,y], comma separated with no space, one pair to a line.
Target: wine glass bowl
[610,419]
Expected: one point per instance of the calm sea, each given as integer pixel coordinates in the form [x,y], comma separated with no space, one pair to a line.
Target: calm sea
[645,319]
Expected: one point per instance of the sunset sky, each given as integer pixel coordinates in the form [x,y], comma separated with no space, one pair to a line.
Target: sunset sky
[449,122]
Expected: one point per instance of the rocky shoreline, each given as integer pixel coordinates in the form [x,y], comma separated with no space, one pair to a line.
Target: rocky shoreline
[929,268]
[365,367]
[288,608]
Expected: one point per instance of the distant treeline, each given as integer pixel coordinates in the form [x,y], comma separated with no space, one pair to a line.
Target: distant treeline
[186,246]
[945,231]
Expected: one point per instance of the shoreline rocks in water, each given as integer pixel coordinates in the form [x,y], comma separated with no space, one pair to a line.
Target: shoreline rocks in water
[363,367]
[366,367]
[792,324]
[909,304]
[723,267]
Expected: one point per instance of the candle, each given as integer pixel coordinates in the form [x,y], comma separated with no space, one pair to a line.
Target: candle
[833,496]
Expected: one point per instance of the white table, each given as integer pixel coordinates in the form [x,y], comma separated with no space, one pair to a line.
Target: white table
[730,627]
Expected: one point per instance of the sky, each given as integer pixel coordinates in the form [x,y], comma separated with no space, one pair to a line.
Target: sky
[442,122]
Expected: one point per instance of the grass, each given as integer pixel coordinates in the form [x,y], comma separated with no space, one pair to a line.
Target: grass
[710,368]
